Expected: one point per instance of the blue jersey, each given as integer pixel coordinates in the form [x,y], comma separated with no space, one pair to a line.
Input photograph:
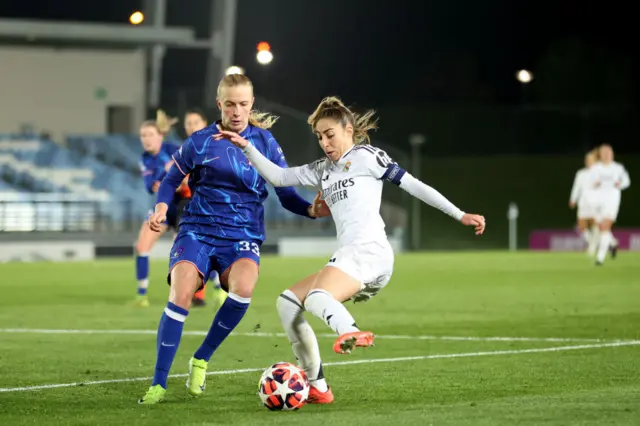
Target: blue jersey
[153,167]
[227,191]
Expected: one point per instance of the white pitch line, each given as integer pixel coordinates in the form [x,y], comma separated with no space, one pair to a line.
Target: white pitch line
[339,363]
[383,336]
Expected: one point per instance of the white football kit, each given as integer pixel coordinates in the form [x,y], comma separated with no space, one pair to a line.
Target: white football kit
[583,194]
[352,189]
[608,180]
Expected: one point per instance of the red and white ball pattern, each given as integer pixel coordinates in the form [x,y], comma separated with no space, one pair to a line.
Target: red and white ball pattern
[283,387]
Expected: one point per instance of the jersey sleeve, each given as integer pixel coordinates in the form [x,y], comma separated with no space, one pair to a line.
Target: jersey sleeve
[382,166]
[430,196]
[578,181]
[625,180]
[278,176]
[147,176]
[171,148]
[186,157]
[289,198]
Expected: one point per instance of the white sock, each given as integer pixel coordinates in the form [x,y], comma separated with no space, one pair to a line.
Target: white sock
[144,284]
[595,234]
[614,241]
[303,339]
[586,235]
[594,240]
[605,241]
[321,304]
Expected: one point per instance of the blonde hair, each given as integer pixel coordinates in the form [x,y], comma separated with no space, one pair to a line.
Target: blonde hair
[164,122]
[262,120]
[595,153]
[151,123]
[332,107]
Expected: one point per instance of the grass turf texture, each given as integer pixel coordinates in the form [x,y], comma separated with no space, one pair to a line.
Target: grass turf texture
[470,381]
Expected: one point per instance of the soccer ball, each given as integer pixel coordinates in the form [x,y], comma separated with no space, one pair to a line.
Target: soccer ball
[283,387]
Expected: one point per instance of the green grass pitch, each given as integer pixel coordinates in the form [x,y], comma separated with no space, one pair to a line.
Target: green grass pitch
[464,339]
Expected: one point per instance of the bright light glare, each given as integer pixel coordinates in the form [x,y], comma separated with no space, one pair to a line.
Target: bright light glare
[234,69]
[136,18]
[264,57]
[263,45]
[524,76]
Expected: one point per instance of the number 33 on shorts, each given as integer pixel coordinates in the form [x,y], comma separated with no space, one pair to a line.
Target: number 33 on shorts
[249,246]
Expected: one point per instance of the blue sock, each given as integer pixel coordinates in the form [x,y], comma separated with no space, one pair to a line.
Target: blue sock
[142,272]
[169,334]
[227,318]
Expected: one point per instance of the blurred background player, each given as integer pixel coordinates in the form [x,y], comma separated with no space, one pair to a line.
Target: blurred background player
[582,196]
[222,228]
[350,178]
[609,178]
[194,120]
[155,162]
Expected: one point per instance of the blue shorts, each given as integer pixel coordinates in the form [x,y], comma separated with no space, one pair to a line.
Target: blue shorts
[209,254]
[173,216]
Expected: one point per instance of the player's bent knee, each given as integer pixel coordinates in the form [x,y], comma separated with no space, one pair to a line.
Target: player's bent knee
[288,303]
[241,278]
[185,281]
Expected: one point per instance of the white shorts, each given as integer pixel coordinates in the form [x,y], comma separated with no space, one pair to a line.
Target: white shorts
[586,210]
[370,263]
[607,209]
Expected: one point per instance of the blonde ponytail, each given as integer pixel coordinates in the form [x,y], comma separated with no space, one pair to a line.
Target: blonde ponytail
[333,107]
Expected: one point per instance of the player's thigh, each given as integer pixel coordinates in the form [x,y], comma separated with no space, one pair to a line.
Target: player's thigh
[304,286]
[238,263]
[353,270]
[583,223]
[335,281]
[147,238]
[189,263]
[185,281]
[608,215]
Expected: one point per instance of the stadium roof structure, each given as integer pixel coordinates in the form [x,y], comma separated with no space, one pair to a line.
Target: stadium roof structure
[15,30]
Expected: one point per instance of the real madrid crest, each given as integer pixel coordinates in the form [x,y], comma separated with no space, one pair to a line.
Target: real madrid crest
[346,166]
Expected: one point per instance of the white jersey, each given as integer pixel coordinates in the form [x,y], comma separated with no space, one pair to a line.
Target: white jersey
[352,189]
[582,191]
[608,180]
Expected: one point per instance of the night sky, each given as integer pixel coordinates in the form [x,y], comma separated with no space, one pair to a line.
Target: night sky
[376,53]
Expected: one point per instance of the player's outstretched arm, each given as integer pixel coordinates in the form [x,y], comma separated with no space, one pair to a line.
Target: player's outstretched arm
[430,196]
[271,172]
[575,191]
[625,180]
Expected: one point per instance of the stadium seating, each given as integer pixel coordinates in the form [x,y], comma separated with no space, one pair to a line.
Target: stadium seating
[103,169]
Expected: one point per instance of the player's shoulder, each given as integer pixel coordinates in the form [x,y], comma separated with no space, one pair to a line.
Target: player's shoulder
[201,137]
[261,133]
[367,150]
[170,146]
[372,156]
[320,165]
[618,165]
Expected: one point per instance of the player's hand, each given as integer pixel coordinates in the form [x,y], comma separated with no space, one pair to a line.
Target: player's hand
[233,137]
[618,184]
[474,220]
[158,217]
[596,185]
[319,207]
[155,186]
[572,205]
